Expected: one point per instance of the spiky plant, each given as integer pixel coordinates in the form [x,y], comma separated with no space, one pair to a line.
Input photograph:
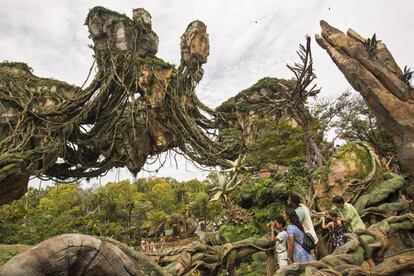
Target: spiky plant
[237,166]
[220,188]
[371,45]
[407,75]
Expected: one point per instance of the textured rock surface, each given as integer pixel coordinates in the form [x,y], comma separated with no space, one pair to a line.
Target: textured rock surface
[351,163]
[355,173]
[119,31]
[378,78]
[74,254]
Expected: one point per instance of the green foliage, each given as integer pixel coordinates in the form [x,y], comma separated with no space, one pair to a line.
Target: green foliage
[60,198]
[115,209]
[230,135]
[154,62]
[40,86]
[237,103]
[122,210]
[220,186]
[39,216]
[352,119]
[162,197]
[100,11]
[264,215]
[279,142]
[259,193]
[267,199]
[232,233]
[155,218]
[18,65]
[252,269]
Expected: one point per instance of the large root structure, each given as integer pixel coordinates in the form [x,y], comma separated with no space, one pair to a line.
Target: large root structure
[137,106]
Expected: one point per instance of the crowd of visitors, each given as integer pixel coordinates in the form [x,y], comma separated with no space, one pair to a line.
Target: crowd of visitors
[148,246]
[295,234]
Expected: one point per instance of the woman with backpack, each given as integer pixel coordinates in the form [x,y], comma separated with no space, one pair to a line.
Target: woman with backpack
[296,238]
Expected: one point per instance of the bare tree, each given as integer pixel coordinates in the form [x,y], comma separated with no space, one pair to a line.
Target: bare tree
[293,101]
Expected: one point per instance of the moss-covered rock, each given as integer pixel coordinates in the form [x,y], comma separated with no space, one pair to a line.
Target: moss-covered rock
[264,85]
[241,112]
[352,167]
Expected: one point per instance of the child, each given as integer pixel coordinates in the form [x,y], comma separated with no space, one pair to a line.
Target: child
[279,224]
[336,228]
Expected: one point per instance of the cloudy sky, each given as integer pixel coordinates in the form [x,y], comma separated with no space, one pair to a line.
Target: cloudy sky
[249,39]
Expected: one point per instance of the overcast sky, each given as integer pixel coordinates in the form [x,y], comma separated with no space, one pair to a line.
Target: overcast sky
[249,39]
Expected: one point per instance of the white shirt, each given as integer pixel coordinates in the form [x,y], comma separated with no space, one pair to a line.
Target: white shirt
[308,224]
[281,245]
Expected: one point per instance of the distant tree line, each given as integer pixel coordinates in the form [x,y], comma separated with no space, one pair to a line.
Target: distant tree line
[123,210]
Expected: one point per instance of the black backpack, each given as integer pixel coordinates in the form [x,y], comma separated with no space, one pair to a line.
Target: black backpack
[308,243]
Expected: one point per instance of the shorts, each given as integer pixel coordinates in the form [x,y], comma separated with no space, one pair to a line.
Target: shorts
[282,262]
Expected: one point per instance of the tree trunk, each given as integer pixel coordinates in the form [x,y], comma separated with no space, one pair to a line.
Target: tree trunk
[312,149]
[270,263]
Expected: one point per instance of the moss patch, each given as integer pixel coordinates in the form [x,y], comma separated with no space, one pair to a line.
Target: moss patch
[8,65]
[154,62]
[9,251]
[352,155]
[237,103]
[101,11]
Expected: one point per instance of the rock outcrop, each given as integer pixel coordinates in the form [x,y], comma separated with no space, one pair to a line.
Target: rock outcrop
[74,254]
[355,172]
[370,68]
[137,106]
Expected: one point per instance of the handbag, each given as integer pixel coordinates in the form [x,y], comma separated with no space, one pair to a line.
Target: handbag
[308,243]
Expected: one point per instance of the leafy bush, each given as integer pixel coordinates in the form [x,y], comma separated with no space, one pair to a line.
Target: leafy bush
[232,233]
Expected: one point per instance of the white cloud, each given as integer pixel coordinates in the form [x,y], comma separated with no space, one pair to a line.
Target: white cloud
[249,39]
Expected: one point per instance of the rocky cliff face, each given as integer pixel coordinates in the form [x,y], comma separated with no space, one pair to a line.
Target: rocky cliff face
[240,112]
[355,173]
[370,68]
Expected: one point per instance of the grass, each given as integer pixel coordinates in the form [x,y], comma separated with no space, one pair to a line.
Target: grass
[9,251]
